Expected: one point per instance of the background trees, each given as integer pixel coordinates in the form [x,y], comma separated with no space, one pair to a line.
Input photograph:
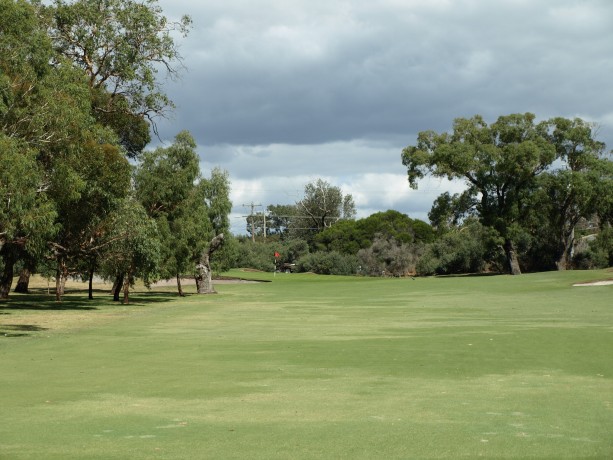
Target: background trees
[78,94]
[189,210]
[322,206]
[505,165]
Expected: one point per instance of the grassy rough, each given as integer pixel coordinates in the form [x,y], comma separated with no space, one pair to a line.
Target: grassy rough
[314,367]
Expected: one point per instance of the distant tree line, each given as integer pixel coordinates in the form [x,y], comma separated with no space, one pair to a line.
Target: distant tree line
[539,196]
[79,194]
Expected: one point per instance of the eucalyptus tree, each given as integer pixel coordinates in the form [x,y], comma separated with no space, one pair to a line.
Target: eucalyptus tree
[191,211]
[27,216]
[133,249]
[322,206]
[165,183]
[120,45]
[215,191]
[499,163]
[44,110]
[574,190]
[349,236]
[105,176]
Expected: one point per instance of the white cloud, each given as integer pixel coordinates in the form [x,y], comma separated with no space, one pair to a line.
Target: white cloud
[280,92]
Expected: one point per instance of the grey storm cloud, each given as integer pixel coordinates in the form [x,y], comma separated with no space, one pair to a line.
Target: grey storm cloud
[314,88]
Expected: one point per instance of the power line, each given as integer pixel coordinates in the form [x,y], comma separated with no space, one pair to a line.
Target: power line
[253,206]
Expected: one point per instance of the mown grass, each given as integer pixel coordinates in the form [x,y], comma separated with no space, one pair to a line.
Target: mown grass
[314,367]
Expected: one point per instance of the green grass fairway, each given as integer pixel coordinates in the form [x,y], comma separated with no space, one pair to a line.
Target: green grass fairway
[314,367]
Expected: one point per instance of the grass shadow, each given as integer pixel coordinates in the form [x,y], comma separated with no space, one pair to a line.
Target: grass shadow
[48,303]
[19,330]
[471,275]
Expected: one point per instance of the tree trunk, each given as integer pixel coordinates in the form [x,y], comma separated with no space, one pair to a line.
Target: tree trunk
[126,288]
[511,255]
[23,283]
[6,279]
[117,285]
[61,275]
[179,287]
[566,243]
[198,278]
[204,279]
[90,287]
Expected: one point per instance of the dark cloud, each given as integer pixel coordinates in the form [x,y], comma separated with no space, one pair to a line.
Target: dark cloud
[318,88]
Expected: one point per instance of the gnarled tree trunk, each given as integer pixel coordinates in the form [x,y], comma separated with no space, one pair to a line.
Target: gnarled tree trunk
[509,250]
[204,280]
[117,285]
[6,278]
[23,283]
[567,241]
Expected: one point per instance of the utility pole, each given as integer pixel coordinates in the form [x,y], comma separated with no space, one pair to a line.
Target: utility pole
[252,219]
[264,216]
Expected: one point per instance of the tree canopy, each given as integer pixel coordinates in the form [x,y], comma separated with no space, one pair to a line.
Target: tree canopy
[504,165]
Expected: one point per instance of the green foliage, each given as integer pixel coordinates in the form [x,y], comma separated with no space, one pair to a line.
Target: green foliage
[278,220]
[328,263]
[216,195]
[468,249]
[165,176]
[26,214]
[135,247]
[257,256]
[120,45]
[189,210]
[390,257]
[348,237]
[599,253]
[321,207]
[510,172]
[261,255]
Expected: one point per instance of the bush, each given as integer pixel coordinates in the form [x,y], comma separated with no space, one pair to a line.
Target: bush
[387,256]
[328,263]
[261,256]
[466,250]
[599,253]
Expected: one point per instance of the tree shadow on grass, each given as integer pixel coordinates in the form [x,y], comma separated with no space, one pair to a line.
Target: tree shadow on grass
[40,300]
[471,275]
[19,330]
[47,303]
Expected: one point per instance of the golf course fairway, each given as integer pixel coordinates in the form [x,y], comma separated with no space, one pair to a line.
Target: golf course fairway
[313,367]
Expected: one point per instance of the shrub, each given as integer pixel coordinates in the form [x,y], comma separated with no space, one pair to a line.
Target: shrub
[466,250]
[387,256]
[328,263]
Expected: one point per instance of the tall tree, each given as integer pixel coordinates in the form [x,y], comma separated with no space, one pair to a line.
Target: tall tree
[105,176]
[134,248]
[190,210]
[321,207]
[499,164]
[45,107]
[572,191]
[216,193]
[165,183]
[120,44]
[26,213]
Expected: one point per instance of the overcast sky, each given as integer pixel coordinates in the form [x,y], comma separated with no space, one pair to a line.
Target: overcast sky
[282,92]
